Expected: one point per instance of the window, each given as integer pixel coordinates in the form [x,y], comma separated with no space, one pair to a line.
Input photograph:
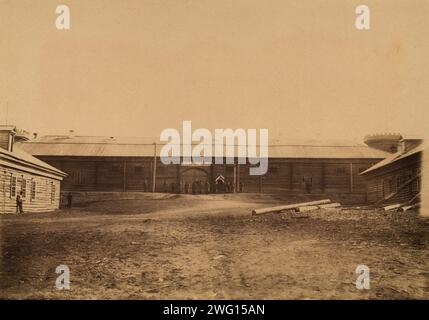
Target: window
[392,185]
[398,182]
[52,192]
[273,169]
[415,185]
[24,187]
[33,191]
[12,186]
[162,169]
[340,171]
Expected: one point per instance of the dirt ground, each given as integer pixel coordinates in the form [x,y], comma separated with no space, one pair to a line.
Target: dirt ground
[211,247]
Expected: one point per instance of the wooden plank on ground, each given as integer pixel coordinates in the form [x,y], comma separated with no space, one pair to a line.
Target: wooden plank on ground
[307,208]
[330,205]
[392,207]
[289,206]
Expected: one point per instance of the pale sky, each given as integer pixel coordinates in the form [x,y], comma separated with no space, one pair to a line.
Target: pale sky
[133,68]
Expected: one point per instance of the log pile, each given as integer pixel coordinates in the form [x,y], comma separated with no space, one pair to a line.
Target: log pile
[413,203]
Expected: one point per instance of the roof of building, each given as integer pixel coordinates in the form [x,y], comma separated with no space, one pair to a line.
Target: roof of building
[326,151]
[20,159]
[144,147]
[396,157]
[7,127]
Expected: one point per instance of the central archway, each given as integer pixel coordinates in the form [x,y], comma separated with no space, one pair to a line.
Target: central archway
[194,174]
[195,180]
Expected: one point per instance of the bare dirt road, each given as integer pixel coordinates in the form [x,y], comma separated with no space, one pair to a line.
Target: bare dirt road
[210,247]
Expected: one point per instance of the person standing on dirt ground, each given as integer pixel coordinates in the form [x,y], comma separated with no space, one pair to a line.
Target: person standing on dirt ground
[19,200]
[200,187]
[194,187]
[69,200]
[145,186]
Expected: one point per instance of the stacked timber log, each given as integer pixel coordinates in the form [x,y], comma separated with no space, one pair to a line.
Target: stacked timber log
[299,207]
[413,203]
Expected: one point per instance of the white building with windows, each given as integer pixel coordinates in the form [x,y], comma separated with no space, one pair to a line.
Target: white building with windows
[20,172]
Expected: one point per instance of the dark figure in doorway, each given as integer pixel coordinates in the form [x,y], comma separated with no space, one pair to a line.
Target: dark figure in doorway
[220,187]
[308,183]
[194,187]
[145,186]
[240,187]
[173,187]
[69,200]
[186,189]
[228,186]
[165,187]
[19,203]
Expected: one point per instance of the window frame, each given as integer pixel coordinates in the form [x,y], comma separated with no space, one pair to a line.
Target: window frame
[13,185]
[33,190]
[53,192]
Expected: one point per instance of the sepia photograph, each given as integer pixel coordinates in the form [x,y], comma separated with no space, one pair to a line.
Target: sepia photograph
[214,150]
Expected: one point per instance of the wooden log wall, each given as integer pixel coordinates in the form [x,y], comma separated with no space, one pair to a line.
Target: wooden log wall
[326,176]
[46,194]
[387,180]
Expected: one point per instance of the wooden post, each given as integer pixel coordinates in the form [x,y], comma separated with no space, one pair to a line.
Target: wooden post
[154,168]
[95,175]
[238,177]
[4,177]
[143,176]
[211,175]
[125,176]
[351,177]
[235,178]
[178,180]
[323,178]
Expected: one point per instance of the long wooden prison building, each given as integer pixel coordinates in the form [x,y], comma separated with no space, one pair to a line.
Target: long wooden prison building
[119,164]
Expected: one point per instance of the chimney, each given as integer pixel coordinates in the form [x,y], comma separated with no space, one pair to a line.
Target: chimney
[406,145]
[35,135]
[7,137]
[71,133]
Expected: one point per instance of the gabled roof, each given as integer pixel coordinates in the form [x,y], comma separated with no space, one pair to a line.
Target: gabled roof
[396,157]
[144,147]
[20,159]
[325,152]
